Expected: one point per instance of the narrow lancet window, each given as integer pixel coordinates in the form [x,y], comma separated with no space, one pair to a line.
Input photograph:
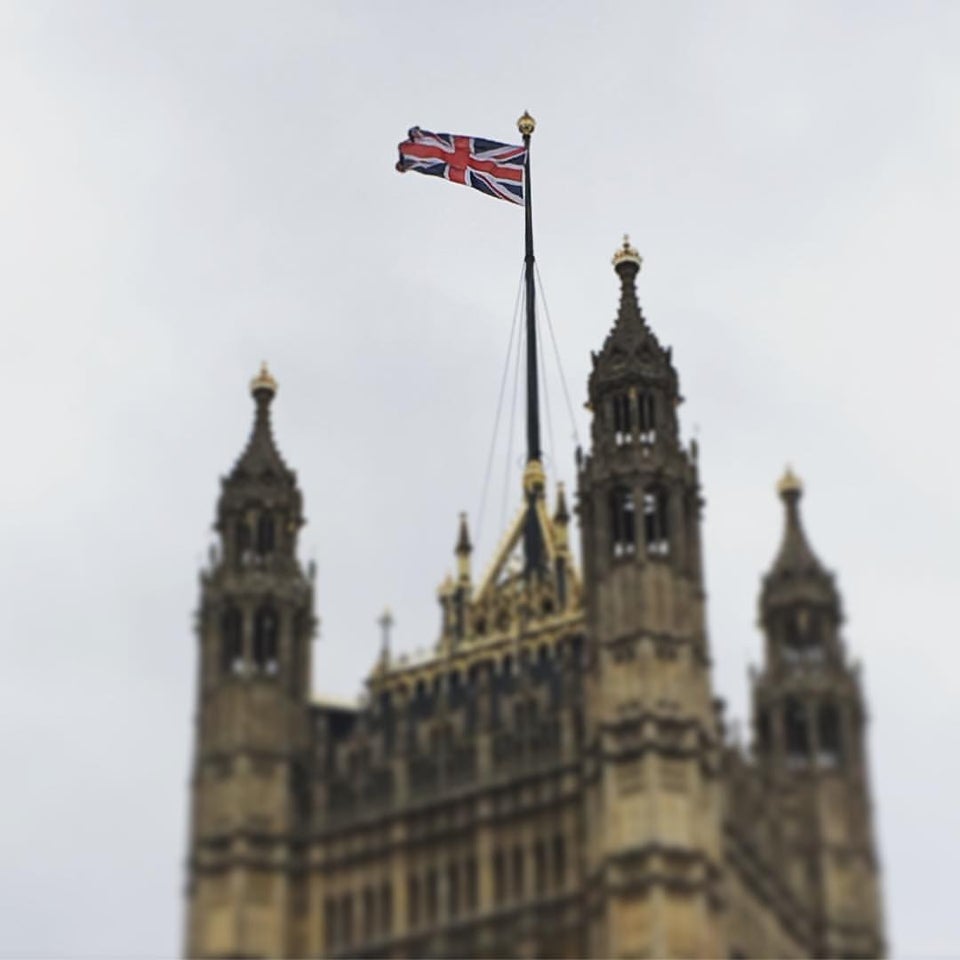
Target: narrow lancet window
[655,526]
[830,750]
[243,542]
[797,732]
[266,534]
[622,421]
[646,417]
[623,528]
[265,631]
[231,641]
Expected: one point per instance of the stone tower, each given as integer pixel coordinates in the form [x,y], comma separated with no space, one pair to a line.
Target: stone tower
[651,771]
[250,785]
[809,723]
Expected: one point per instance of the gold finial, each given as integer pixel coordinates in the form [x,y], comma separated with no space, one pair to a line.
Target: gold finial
[627,254]
[534,477]
[526,124]
[263,380]
[789,484]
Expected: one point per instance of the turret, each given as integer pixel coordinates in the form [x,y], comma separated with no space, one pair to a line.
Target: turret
[250,770]
[654,802]
[809,733]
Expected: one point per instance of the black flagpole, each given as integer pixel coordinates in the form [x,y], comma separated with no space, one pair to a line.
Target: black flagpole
[532,537]
[526,126]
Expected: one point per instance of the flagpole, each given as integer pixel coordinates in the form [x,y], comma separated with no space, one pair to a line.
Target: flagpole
[533,547]
[526,125]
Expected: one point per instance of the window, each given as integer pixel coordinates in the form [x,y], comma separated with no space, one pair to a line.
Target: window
[243,541]
[330,932]
[413,901]
[828,735]
[499,877]
[540,868]
[622,420]
[346,920]
[265,534]
[433,897]
[797,733]
[453,890]
[518,878]
[802,636]
[646,418]
[471,885]
[763,731]
[623,528]
[655,527]
[559,862]
[231,641]
[386,909]
[265,631]
[369,930]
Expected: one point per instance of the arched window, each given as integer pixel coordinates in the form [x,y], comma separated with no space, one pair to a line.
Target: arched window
[265,631]
[413,901]
[499,877]
[386,909]
[540,868]
[369,929]
[623,527]
[231,641]
[828,735]
[266,534]
[518,879]
[433,896]
[646,417]
[802,635]
[346,919]
[559,862]
[243,541]
[453,890]
[763,731]
[330,933]
[622,420]
[471,884]
[655,527]
[796,731]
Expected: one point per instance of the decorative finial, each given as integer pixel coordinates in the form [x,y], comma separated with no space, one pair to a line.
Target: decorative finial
[463,538]
[627,254]
[534,477]
[561,515]
[263,381]
[526,124]
[385,623]
[789,485]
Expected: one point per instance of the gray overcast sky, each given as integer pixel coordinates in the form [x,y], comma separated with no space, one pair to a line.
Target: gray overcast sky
[186,189]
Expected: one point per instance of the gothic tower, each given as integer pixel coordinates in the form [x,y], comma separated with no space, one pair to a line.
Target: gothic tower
[250,785]
[652,791]
[809,723]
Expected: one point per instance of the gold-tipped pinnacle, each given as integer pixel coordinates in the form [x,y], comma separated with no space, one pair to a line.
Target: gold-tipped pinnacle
[526,124]
[263,380]
[789,483]
[627,254]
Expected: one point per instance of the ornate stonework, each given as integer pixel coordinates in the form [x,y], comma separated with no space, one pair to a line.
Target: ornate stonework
[555,778]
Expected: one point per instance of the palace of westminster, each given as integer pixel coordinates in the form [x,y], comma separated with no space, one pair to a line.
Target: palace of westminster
[556,778]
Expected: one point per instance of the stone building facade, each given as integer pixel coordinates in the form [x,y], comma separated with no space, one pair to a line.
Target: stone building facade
[555,779]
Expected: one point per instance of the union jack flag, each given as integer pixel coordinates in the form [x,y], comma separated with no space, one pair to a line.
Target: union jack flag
[486,165]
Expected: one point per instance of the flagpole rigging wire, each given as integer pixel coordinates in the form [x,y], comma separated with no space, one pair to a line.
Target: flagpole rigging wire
[496,422]
[551,451]
[556,352]
[510,432]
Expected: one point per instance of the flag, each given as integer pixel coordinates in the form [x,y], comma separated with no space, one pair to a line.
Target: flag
[486,165]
